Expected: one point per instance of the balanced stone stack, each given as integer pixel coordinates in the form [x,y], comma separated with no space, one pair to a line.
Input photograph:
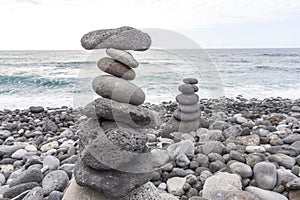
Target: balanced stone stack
[114,158]
[186,117]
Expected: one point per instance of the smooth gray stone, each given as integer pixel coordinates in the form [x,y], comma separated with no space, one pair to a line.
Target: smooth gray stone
[36,109]
[56,195]
[265,175]
[190,81]
[186,117]
[265,194]
[120,148]
[241,169]
[186,89]
[188,108]
[36,193]
[123,38]
[18,189]
[61,181]
[123,57]
[284,160]
[187,99]
[9,150]
[134,116]
[30,175]
[112,183]
[116,68]
[118,89]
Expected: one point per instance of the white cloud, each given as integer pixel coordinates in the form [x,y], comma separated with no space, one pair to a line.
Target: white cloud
[54,24]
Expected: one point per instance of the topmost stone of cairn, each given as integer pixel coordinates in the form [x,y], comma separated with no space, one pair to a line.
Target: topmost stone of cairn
[123,38]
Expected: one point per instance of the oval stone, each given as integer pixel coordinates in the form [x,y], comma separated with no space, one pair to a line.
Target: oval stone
[190,81]
[116,68]
[123,57]
[124,38]
[187,99]
[188,108]
[118,89]
[185,117]
[186,89]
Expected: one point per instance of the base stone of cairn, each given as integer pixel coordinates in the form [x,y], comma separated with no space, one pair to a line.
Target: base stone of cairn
[115,162]
[186,117]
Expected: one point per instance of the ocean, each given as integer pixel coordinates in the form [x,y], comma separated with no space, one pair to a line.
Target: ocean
[63,78]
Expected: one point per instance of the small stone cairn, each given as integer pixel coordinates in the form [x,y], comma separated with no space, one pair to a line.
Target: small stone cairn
[186,117]
[114,158]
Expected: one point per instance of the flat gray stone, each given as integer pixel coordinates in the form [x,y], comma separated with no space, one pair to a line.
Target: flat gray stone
[213,147]
[118,89]
[241,169]
[190,81]
[116,68]
[283,160]
[175,185]
[187,99]
[184,147]
[112,183]
[186,117]
[188,108]
[123,38]
[123,57]
[186,89]
[133,116]
[221,181]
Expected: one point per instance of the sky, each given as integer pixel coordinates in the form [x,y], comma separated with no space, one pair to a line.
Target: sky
[59,24]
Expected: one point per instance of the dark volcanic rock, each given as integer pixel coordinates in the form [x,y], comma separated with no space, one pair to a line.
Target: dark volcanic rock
[117,148]
[112,183]
[123,38]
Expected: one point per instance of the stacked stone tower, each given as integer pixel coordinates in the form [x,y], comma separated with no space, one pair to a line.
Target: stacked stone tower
[186,117]
[114,158]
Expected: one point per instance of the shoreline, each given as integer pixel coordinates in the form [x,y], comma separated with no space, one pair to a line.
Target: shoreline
[235,136]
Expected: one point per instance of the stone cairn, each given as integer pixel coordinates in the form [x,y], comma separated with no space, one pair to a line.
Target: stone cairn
[186,117]
[114,158]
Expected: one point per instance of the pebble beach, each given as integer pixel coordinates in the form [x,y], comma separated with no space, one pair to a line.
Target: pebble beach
[243,149]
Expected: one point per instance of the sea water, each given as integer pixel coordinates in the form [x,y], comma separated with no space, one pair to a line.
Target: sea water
[63,78]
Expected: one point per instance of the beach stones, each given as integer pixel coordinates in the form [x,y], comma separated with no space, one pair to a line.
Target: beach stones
[124,38]
[114,157]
